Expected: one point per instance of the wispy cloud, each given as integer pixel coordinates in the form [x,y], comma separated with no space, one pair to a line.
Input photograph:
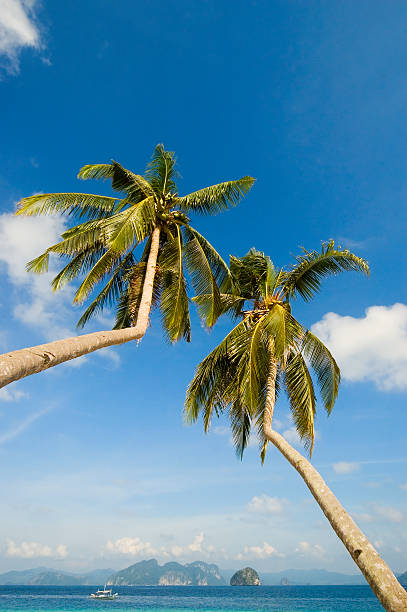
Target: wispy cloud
[18,429]
[18,30]
[307,549]
[11,394]
[263,504]
[259,552]
[394,515]
[345,467]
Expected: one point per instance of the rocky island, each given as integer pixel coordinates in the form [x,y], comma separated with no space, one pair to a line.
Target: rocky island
[150,573]
[245,577]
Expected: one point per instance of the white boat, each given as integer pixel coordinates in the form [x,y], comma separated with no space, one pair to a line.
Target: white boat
[104,594]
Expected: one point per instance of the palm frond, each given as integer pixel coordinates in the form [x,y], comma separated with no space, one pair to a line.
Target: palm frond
[219,267]
[40,264]
[79,204]
[240,421]
[300,390]
[110,293]
[174,299]
[130,226]
[325,368]
[216,198]
[161,172]
[230,304]
[203,281]
[95,171]
[312,266]
[284,331]
[249,274]
[78,265]
[253,365]
[102,267]
[213,376]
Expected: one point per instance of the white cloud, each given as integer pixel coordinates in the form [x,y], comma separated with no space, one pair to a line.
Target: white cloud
[11,394]
[28,550]
[389,513]
[18,29]
[135,547]
[259,552]
[345,467]
[305,548]
[291,435]
[22,239]
[131,546]
[362,516]
[62,551]
[52,314]
[221,430]
[372,348]
[196,545]
[18,429]
[263,504]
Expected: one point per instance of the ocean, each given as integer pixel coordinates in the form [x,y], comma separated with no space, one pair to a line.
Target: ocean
[208,599]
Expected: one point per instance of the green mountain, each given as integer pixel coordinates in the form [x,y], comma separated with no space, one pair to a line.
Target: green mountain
[50,577]
[245,577]
[150,573]
[403,578]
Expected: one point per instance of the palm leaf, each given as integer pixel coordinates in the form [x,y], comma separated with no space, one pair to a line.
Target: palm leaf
[110,293]
[216,198]
[134,185]
[102,267]
[203,281]
[240,422]
[80,204]
[325,367]
[161,173]
[131,226]
[174,299]
[214,376]
[231,304]
[77,266]
[219,267]
[305,277]
[300,390]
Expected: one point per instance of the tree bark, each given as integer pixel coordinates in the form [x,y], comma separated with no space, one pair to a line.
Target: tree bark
[381,579]
[27,361]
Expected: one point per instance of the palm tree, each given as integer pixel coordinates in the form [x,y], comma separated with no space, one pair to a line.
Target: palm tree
[268,350]
[102,247]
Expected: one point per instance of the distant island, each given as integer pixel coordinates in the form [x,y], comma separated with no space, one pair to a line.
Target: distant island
[198,573]
[245,577]
[171,574]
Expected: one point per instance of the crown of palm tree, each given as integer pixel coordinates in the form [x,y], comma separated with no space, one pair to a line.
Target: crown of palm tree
[233,377]
[102,247]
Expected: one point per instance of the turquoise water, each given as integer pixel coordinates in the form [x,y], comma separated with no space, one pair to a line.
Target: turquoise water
[207,599]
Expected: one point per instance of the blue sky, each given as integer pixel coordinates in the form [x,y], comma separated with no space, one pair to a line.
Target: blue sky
[309,98]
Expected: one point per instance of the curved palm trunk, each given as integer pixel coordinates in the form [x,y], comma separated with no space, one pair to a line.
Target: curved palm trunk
[383,582]
[24,362]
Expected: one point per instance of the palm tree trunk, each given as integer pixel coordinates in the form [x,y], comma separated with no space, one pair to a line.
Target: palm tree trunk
[24,362]
[383,582]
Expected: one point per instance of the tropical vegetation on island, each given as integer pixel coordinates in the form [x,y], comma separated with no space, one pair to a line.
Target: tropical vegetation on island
[103,245]
[268,350]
